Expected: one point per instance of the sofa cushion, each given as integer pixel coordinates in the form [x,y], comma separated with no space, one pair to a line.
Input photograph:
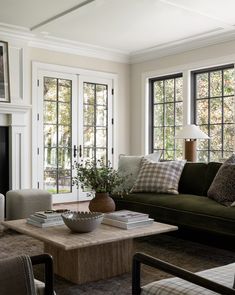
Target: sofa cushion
[193,179]
[222,188]
[212,169]
[162,177]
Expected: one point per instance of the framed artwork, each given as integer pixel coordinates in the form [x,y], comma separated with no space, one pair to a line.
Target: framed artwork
[4,73]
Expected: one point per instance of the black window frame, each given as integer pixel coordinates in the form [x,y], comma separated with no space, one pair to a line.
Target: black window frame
[194,100]
[151,112]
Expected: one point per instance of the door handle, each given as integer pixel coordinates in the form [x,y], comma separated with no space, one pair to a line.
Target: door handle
[75,151]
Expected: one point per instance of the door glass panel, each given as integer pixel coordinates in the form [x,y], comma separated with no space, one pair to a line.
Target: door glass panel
[95,122]
[57,131]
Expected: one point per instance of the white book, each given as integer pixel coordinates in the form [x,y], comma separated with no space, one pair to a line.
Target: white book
[46,224]
[47,215]
[126,216]
[127,225]
[45,220]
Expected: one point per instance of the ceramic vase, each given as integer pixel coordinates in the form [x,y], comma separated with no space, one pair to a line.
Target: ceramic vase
[102,203]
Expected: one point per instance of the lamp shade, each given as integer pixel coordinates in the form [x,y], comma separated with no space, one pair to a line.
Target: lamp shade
[191,132]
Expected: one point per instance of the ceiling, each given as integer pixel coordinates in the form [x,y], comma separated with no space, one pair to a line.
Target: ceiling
[125,26]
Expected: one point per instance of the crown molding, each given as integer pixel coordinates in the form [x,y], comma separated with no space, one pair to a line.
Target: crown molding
[183,45]
[45,41]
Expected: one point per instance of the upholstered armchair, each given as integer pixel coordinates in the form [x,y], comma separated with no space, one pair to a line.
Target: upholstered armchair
[219,280]
[16,275]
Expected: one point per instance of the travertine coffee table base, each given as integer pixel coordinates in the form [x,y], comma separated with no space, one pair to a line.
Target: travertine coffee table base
[92,263]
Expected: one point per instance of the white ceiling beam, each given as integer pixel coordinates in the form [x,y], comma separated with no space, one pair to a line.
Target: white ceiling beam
[220,21]
[55,17]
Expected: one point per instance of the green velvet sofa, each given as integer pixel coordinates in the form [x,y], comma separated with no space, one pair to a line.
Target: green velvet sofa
[191,208]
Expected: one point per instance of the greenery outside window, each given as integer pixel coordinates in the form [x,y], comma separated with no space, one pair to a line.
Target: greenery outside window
[213,100]
[166,115]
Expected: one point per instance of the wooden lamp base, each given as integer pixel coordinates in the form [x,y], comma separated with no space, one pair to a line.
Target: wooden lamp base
[190,150]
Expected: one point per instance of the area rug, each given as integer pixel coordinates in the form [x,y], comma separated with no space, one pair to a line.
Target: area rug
[190,255]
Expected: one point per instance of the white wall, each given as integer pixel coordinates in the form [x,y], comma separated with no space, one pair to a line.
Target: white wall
[21,57]
[223,53]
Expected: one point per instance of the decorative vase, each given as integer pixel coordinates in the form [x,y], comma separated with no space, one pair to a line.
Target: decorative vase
[102,203]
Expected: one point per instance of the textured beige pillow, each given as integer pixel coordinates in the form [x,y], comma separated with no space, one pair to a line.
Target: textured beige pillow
[161,177]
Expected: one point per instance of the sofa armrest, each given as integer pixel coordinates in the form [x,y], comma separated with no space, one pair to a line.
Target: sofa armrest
[139,258]
[47,260]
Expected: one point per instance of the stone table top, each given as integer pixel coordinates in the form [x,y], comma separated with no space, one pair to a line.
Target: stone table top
[62,237]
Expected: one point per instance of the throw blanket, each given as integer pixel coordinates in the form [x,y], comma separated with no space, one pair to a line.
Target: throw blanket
[16,276]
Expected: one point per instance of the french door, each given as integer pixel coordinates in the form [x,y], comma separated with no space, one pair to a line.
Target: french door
[74,123]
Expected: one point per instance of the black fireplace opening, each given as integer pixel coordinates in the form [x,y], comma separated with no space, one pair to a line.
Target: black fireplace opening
[4,160]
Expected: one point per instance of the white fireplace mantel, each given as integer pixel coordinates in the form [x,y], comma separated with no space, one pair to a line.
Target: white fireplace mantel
[14,116]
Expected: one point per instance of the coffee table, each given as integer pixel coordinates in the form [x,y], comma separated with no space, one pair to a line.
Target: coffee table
[80,258]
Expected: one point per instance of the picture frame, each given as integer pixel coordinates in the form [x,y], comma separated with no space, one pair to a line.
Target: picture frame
[4,73]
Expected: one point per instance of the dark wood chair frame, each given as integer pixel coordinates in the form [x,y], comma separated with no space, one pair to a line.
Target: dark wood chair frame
[47,260]
[141,258]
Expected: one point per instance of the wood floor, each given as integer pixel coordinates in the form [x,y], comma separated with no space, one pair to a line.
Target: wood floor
[76,206]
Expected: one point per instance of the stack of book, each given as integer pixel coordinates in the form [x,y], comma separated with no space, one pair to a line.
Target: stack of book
[45,219]
[127,219]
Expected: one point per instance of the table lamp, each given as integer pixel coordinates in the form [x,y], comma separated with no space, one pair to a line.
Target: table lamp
[191,133]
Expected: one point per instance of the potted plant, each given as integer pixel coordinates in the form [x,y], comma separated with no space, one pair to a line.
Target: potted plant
[102,179]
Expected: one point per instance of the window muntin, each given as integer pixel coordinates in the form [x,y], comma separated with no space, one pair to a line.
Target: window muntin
[214,107]
[166,108]
[57,130]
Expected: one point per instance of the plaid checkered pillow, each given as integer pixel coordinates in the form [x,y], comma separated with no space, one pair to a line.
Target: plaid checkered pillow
[161,177]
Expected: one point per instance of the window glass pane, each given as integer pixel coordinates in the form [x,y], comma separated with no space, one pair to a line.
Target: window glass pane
[169,138]
[158,115]
[88,137]
[179,89]
[101,94]
[64,158]
[202,156]
[88,93]
[88,115]
[216,137]
[65,89]
[178,113]
[50,112]
[64,181]
[229,109]
[202,85]
[50,88]
[216,83]
[50,180]
[88,153]
[229,137]
[179,154]
[169,116]
[101,116]
[101,154]
[229,82]
[50,135]
[158,91]
[50,158]
[169,90]
[64,112]
[215,156]
[216,110]
[101,137]
[202,112]
[158,138]
[202,144]
[64,136]
[169,155]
